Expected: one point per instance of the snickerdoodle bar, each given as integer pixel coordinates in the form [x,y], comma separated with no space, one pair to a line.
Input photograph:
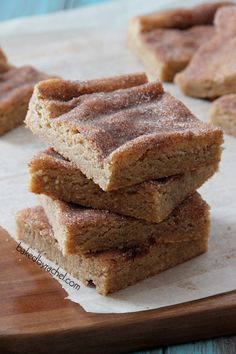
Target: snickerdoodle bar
[51,174]
[111,270]
[16,88]
[123,130]
[223,113]
[212,70]
[85,230]
[165,41]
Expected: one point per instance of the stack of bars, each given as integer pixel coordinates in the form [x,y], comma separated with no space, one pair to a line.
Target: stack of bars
[117,188]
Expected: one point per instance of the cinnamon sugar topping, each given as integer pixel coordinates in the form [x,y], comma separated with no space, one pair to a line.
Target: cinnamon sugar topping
[110,119]
[16,79]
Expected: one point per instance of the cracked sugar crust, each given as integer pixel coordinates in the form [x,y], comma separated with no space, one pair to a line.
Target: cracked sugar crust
[223,113]
[138,115]
[122,138]
[66,90]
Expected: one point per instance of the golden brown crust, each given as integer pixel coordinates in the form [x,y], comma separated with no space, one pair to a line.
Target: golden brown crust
[111,270]
[153,201]
[64,90]
[84,230]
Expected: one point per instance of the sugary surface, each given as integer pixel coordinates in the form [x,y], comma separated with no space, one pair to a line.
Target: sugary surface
[16,79]
[176,44]
[136,115]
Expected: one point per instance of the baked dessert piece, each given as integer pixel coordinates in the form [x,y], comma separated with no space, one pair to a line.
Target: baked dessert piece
[83,230]
[166,41]
[223,113]
[225,20]
[123,137]
[51,174]
[111,270]
[212,71]
[16,88]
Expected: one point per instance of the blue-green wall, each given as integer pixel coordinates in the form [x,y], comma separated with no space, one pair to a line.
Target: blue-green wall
[18,8]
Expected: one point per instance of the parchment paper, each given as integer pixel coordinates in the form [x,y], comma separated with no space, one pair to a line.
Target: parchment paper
[88,43]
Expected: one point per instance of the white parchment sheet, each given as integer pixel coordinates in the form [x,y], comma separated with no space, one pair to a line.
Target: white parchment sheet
[88,43]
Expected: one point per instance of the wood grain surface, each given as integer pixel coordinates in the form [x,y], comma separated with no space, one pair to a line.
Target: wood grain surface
[36,317]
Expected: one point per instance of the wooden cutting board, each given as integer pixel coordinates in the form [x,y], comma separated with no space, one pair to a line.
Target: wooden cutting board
[36,318]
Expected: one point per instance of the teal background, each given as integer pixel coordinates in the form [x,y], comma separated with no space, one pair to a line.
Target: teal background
[19,8]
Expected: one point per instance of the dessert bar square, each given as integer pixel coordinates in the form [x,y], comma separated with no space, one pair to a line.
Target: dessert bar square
[16,88]
[166,41]
[111,270]
[83,230]
[123,137]
[51,174]
[223,113]
[212,70]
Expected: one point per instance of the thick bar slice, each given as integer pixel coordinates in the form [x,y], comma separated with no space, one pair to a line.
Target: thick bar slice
[16,88]
[165,41]
[124,137]
[212,70]
[223,113]
[112,270]
[83,230]
[153,201]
